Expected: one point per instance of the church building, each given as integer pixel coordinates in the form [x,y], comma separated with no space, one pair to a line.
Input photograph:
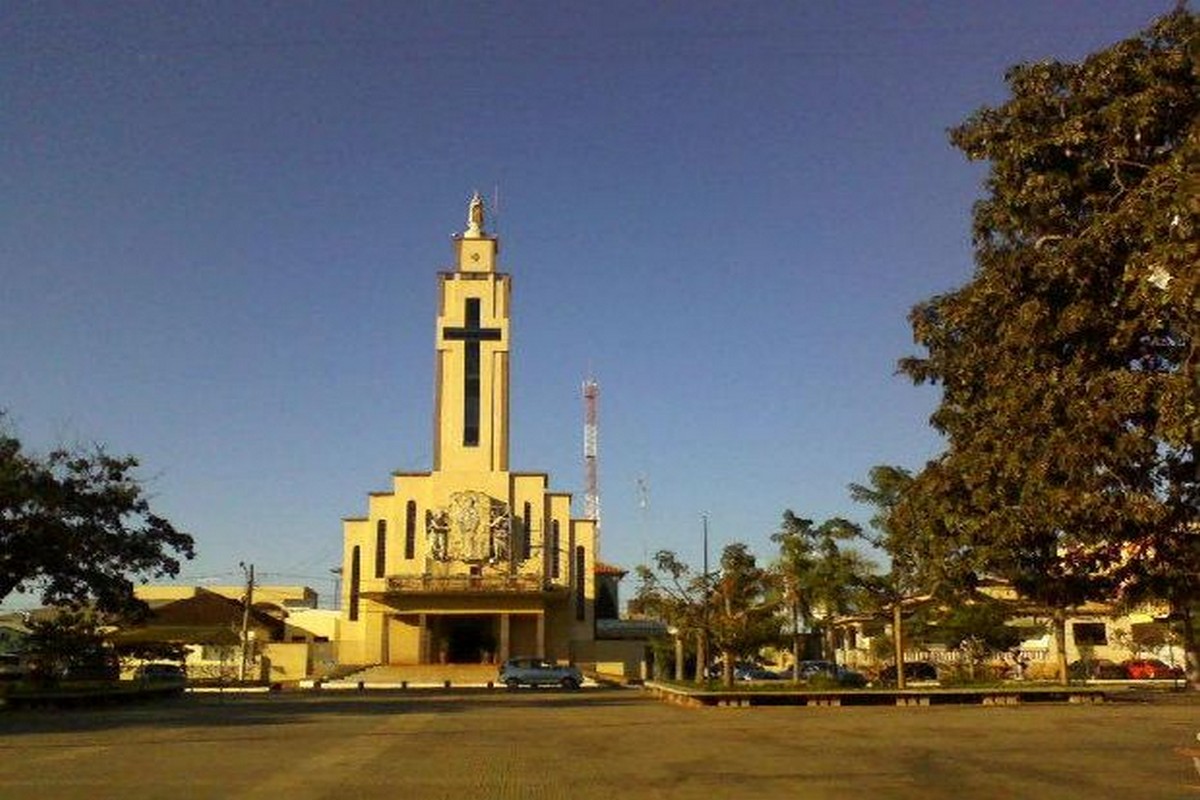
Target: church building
[470,562]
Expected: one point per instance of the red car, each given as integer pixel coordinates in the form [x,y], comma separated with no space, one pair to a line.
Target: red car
[1144,668]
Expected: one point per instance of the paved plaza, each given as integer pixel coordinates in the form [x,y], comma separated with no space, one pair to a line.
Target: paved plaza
[602,743]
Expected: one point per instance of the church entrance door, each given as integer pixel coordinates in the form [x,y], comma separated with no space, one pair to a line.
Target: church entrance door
[469,639]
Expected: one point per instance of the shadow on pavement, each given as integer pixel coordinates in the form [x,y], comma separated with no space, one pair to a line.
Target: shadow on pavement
[291,708]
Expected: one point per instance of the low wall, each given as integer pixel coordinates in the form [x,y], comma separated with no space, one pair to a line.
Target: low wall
[874,697]
[617,659]
[285,661]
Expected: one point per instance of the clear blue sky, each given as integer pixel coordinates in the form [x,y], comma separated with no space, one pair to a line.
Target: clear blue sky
[220,225]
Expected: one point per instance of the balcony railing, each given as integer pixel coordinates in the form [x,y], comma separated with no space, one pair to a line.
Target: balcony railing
[434,584]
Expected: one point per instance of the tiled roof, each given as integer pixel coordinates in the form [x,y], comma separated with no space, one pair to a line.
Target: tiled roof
[203,617]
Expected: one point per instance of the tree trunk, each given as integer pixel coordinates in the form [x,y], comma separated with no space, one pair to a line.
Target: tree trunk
[727,660]
[1191,648]
[1060,644]
[898,643]
[679,656]
[796,641]
[701,658]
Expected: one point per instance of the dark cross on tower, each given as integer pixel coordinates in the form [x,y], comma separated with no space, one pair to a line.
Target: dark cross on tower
[471,334]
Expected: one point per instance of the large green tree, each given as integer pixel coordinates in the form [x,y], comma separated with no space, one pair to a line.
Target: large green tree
[730,611]
[820,575]
[742,615]
[909,575]
[1068,363]
[668,590]
[76,528]
[69,644]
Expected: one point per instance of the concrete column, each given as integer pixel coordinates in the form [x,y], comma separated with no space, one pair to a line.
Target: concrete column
[541,634]
[504,637]
[422,639]
[678,657]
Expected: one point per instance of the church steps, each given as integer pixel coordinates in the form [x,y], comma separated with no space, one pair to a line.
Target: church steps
[424,675]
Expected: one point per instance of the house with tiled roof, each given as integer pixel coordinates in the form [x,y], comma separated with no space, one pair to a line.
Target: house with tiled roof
[217,632]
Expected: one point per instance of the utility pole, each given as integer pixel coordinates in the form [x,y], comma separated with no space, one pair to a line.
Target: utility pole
[337,587]
[249,601]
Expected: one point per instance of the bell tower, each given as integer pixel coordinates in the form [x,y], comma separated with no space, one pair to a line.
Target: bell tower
[471,366]
[470,562]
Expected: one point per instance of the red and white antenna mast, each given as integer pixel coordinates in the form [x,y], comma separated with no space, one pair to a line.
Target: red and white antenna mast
[591,502]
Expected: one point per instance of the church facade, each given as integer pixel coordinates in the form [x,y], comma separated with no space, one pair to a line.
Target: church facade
[470,562]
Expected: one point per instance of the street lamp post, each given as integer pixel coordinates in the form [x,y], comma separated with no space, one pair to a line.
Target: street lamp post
[703,659]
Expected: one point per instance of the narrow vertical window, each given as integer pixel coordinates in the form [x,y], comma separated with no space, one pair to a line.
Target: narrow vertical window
[410,530]
[380,548]
[580,584]
[527,531]
[355,566]
[554,568]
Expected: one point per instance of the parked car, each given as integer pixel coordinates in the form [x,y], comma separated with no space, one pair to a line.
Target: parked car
[817,671]
[538,672]
[742,671]
[847,677]
[160,673]
[1097,668]
[816,667]
[913,671]
[1150,668]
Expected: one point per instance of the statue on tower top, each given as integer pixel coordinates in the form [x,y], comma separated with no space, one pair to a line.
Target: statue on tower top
[474,217]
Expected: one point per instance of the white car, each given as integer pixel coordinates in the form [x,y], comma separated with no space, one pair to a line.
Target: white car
[161,673]
[539,672]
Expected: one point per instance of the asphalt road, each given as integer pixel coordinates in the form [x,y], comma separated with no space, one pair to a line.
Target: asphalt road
[592,744]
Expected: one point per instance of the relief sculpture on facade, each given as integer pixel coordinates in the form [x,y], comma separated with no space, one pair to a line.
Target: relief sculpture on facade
[474,528]
[437,531]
